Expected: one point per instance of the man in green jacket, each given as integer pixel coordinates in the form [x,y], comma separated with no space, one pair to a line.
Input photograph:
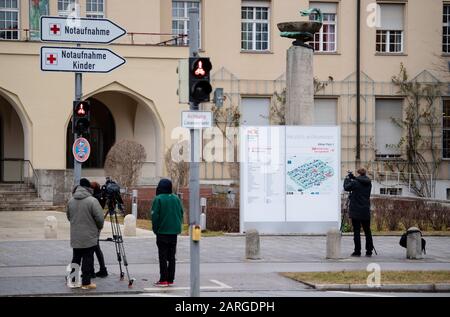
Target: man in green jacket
[167,221]
[86,220]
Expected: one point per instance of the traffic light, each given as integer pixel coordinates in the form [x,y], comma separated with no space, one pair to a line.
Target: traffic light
[199,76]
[81,117]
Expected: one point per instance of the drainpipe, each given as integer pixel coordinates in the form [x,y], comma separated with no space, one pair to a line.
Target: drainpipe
[358,82]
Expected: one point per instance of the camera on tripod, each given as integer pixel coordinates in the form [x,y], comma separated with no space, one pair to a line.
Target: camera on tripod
[111,193]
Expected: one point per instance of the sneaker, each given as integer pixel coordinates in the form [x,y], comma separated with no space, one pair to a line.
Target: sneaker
[89,286]
[170,283]
[356,254]
[161,284]
[102,273]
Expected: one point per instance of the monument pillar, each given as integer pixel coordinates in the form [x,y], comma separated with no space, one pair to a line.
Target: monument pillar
[299,68]
[299,86]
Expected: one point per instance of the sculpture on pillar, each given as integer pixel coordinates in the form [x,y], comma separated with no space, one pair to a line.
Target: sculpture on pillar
[302,31]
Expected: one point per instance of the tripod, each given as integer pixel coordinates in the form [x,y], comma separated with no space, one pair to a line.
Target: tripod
[118,241]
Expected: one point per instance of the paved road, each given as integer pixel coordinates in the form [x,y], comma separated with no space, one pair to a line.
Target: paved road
[32,266]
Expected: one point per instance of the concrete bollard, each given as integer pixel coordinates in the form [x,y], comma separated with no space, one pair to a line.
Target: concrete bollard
[334,244]
[252,245]
[414,244]
[51,225]
[129,226]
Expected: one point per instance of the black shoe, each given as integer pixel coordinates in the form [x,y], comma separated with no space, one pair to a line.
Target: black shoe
[102,273]
[93,275]
[356,254]
[369,254]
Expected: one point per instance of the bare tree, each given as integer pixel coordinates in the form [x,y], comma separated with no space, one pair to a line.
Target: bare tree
[177,168]
[124,162]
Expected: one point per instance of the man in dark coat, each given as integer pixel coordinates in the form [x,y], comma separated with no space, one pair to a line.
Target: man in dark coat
[359,209]
[86,220]
[167,221]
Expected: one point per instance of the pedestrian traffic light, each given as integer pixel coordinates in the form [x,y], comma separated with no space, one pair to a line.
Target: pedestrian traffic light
[199,77]
[81,117]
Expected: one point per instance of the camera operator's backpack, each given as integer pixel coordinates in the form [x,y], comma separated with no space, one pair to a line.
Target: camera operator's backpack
[404,239]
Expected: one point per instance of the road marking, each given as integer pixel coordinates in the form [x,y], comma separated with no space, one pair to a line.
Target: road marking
[362,294]
[219,286]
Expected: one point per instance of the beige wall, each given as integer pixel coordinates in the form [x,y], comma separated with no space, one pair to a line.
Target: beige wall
[147,83]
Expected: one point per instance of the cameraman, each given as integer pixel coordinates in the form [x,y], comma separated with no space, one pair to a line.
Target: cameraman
[359,209]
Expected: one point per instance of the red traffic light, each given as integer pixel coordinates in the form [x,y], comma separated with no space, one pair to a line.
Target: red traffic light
[201,67]
[81,109]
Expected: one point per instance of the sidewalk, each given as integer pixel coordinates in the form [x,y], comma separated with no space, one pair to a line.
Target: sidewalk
[30,265]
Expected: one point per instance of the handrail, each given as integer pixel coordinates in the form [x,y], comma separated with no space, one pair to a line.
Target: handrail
[26,178]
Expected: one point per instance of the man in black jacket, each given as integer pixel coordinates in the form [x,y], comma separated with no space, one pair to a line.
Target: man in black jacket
[359,209]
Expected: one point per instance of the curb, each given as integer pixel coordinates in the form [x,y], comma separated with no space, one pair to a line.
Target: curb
[431,288]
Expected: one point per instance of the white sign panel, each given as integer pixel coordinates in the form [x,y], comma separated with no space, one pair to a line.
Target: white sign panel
[312,174]
[262,174]
[290,178]
[79,30]
[196,119]
[82,60]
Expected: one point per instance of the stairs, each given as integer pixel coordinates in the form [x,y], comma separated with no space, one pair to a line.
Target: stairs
[22,197]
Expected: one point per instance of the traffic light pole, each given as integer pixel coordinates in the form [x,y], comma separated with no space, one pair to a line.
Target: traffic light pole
[78,96]
[194,183]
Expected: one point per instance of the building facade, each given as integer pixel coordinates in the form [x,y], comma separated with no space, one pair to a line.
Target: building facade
[139,100]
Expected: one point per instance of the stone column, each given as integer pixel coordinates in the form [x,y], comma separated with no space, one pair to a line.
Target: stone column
[300,86]
[414,244]
[252,244]
[51,226]
[333,244]
[129,226]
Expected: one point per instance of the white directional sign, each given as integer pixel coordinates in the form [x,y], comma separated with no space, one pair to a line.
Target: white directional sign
[79,60]
[196,119]
[79,30]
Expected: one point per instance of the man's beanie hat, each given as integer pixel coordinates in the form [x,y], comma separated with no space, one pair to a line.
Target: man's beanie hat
[85,182]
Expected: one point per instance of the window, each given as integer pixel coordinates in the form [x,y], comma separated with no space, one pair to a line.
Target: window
[325,39]
[389,38]
[325,111]
[180,19]
[255,111]
[255,26]
[95,9]
[446,29]
[387,132]
[391,191]
[65,7]
[446,130]
[9,19]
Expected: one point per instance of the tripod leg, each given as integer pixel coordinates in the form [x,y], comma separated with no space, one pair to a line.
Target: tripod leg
[121,249]
[116,244]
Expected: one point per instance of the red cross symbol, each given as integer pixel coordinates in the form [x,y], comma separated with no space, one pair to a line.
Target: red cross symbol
[52,59]
[55,29]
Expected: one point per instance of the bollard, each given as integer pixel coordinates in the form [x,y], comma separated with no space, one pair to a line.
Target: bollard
[334,244]
[414,244]
[252,244]
[51,224]
[134,203]
[129,226]
[203,221]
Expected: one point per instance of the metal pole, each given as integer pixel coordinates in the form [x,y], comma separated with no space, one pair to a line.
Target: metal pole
[358,83]
[78,96]
[194,183]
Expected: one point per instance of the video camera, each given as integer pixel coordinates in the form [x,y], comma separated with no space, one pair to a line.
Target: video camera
[111,192]
[350,175]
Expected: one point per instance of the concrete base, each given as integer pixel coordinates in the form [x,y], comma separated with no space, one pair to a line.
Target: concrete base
[290,227]
[55,185]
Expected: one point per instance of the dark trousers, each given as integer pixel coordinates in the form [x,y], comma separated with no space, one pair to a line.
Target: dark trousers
[85,258]
[365,224]
[167,246]
[99,255]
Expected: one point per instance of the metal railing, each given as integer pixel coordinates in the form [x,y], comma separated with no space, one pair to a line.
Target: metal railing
[19,171]
[133,38]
